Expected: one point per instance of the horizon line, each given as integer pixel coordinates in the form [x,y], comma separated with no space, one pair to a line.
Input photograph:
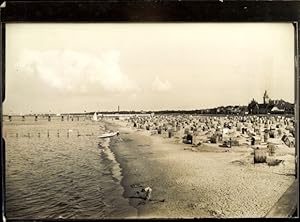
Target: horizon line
[120,111]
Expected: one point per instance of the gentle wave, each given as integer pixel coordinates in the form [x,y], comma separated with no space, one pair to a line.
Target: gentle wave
[70,174]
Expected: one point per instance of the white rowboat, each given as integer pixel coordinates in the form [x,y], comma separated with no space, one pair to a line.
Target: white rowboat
[107,135]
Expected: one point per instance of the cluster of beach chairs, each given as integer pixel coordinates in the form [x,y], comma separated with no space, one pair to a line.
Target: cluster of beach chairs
[226,131]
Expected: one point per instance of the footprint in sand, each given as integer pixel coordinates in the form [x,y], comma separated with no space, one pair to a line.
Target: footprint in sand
[143,145]
[135,185]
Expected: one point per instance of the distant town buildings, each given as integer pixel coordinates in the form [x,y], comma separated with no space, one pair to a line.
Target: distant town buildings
[270,106]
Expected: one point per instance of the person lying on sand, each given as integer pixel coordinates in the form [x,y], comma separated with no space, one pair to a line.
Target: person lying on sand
[147,193]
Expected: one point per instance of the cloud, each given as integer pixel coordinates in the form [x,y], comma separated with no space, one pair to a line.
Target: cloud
[73,71]
[159,85]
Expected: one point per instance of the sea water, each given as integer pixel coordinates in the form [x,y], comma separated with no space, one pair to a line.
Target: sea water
[60,169]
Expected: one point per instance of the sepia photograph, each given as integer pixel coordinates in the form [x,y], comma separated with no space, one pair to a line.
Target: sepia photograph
[150,120]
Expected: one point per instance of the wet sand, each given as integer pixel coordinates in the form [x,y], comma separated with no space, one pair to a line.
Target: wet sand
[213,182]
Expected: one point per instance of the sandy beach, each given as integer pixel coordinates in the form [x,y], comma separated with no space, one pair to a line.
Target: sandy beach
[207,181]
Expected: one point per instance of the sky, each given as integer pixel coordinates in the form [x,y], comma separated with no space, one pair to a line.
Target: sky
[60,68]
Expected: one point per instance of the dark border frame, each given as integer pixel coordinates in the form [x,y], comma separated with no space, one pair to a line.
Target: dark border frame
[148,11]
[151,11]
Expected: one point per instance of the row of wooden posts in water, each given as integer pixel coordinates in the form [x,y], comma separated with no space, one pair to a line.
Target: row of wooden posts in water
[49,117]
[48,134]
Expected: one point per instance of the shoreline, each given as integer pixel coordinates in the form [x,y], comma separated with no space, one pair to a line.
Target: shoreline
[190,184]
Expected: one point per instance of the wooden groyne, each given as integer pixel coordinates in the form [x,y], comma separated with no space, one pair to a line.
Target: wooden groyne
[48,133]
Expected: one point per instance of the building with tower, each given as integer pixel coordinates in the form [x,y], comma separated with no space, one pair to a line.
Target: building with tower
[270,106]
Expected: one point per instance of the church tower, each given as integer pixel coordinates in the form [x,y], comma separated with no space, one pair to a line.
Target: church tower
[266,98]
